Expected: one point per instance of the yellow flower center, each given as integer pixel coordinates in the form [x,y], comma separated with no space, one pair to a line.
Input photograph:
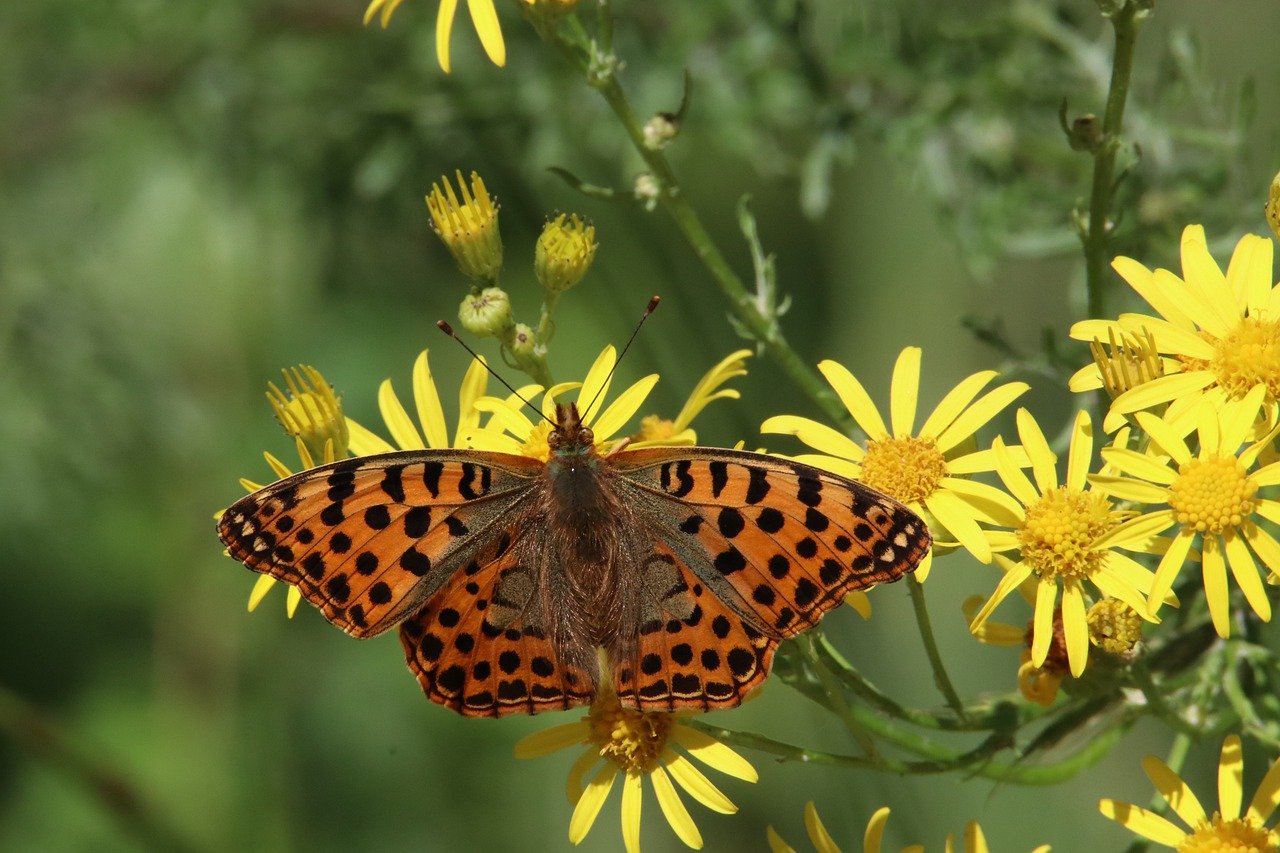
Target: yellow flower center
[1060,529]
[535,446]
[908,469]
[633,740]
[1212,494]
[1114,626]
[1249,355]
[1229,836]
[654,428]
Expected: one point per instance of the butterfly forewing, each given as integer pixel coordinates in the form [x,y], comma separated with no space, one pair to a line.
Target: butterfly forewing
[368,540]
[777,541]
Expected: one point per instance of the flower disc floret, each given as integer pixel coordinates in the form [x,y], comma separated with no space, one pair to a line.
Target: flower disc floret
[1213,494]
[1114,626]
[1249,355]
[1060,529]
[1228,836]
[633,740]
[906,468]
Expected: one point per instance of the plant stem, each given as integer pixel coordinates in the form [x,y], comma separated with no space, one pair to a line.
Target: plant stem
[940,677]
[1125,22]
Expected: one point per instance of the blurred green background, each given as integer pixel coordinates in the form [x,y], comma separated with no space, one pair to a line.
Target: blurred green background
[193,196]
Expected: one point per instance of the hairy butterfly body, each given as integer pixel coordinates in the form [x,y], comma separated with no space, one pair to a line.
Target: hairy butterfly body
[506,575]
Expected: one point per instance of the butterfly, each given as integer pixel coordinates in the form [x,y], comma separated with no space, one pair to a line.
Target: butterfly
[520,586]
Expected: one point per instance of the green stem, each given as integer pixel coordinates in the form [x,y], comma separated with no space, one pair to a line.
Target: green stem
[23,723]
[940,677]
[1125,22]
[835,696]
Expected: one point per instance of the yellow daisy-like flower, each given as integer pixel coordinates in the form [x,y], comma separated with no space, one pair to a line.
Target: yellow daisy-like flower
[1212,495]
[973,840]
[658,430]
[530,439]
[426,397]
[636,745]
[926,469]
[1226,829]
[1221,333]
[483,16]
[1066,535]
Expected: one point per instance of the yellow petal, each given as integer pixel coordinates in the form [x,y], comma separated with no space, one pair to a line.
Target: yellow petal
[621,409]
[855,399]
[631,800]
[1141,465]
[590,803]
[1204,278]
[698,786]
[861,602]
[729,367]
[552,740]
[922,575]
[427,400]
[974,840]
[1237,418]
[983,410]
[1169,337]
[1146,823]
[474,384]
[1170,565]
[444,26]
[981,461]
[1043,460]
[904,392]
[673,809]
[822,840]
[958,519]
[1245,571]
[292,600]
[1129,490]
[1267,796]
[874,835]
[1013,576]
[1042,630]
[1115,587]
[573,782]
[954,402]
[988,503]
[1088,330]
[1214,571]
[1162,390]
[776,844]
[1175,792]
[713,753]
[1230,778]
[1168,440]
[260,588]
[843,467]
[1014,480]
[1075,626]
[1087,378]
[485,19]
[1080,452]
[820,437]
[397,419]
[1157,293]
[364,442]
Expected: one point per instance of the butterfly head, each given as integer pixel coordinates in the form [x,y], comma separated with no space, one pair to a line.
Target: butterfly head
[571,437]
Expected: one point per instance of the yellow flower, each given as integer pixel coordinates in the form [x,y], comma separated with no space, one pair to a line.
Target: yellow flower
[1065,535]
[1226,829]
[468,227]
[926,469]
[637,745]
[1212,495]
[973,840]
[483,16]
[564,253]
[530,439]
[426,399]
[1037,684]
[1222,332]
[658,430]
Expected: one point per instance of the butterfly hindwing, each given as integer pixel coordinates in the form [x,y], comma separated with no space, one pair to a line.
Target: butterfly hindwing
[777,541]
[368,540]
[693,652]
[481,644]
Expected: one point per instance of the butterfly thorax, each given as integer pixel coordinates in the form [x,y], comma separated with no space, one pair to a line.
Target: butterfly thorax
[585,521]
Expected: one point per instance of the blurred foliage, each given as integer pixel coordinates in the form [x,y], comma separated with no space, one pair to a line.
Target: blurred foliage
[197,194]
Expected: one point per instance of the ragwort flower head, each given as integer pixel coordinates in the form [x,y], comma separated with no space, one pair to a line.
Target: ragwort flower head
[1067,535]
[973,841]
[926,469]
[1212,496]
[1036,683]
[637,745]
[1220,333]
[483,16]
[1224,830]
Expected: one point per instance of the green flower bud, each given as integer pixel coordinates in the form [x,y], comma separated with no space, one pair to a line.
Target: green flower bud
[486,313]
[523,343]
[565,251]
[660,130]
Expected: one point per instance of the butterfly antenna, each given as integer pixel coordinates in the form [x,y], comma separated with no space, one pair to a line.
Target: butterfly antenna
[649,309]
[448,330]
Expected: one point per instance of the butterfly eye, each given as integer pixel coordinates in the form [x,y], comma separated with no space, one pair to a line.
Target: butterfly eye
[586,436]
[554,438]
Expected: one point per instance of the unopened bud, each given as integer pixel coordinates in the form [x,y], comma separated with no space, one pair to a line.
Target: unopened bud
[468,227]
[565,251]
[486,313]
[311,413]
[523,342]
[1114,626]
[647,190]
[660,130]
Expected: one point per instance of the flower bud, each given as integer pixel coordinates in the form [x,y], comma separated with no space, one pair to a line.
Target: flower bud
[565,251]
[311,413]
[1114,626]
[1127,363]
[486,313]
[524,344]
[469,228]
[551,9]
[660,130]
[647,190]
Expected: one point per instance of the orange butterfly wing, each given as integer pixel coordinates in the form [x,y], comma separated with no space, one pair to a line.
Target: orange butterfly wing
[772,543]
[369,540]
